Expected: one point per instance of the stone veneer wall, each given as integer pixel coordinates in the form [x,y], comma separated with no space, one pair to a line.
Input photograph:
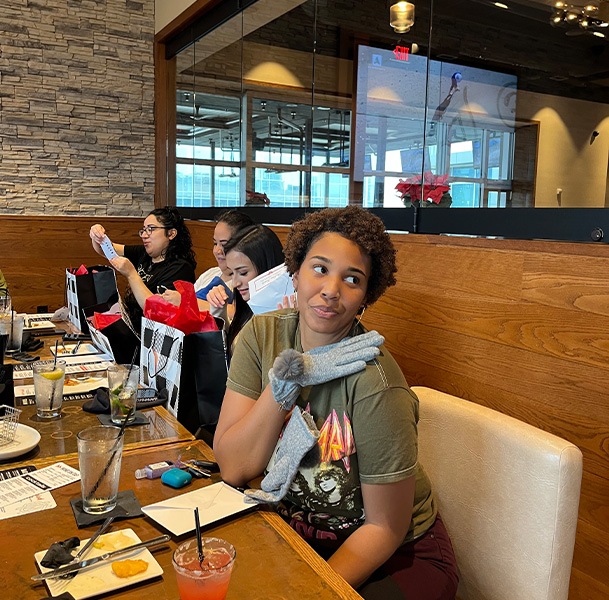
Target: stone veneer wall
[77,107]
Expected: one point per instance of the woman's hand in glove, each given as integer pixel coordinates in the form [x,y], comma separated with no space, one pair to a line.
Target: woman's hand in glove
[293,370]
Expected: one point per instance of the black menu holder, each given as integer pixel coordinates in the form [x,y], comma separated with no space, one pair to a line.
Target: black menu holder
[7,389]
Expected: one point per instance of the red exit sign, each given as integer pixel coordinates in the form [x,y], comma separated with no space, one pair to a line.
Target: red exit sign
[401,52]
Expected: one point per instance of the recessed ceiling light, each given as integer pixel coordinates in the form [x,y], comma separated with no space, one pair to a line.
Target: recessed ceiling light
[598,34]
[500,5]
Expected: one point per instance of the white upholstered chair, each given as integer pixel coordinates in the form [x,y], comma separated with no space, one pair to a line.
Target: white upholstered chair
[508,494]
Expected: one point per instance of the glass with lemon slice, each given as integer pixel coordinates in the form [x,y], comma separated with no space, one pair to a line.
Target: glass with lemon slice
[48,387]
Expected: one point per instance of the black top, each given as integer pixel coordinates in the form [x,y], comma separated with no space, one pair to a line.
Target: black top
[153,275]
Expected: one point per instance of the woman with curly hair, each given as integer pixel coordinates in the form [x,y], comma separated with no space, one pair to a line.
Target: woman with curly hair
[165,256]
[310,391]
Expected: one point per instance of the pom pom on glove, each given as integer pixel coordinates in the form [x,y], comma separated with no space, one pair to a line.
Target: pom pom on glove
[293,370]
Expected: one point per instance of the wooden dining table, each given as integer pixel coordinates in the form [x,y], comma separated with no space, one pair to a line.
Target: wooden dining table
[273,562]
[155,425]
[58,436]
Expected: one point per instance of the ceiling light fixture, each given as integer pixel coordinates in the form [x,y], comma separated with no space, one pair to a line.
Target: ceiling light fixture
[401,16]
[588,18]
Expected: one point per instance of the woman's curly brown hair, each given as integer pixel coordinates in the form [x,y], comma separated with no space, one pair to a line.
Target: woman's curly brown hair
[355,224]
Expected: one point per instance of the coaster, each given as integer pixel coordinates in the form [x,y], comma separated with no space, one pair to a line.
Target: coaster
[127,507]
[139,419]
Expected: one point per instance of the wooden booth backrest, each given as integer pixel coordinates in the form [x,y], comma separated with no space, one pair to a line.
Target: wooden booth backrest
[519,326]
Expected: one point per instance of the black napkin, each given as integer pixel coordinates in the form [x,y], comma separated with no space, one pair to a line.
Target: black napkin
[100,403]
[60,553]
[29,343]
[127,507]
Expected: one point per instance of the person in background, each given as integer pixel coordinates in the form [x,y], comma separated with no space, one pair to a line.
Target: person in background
[3,285]
[253,251]
[165,256]
[228,224]
[343,471]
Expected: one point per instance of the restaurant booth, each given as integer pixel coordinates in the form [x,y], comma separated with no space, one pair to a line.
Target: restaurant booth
[283,107]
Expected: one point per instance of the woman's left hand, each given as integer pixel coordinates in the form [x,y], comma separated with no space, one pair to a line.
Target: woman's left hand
[288,302]
[124,266]
[172,296]
[217,296]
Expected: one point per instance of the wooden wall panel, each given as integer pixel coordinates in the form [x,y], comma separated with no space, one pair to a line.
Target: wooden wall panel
[519,326]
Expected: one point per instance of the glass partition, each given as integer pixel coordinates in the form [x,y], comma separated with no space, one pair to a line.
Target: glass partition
[298,104]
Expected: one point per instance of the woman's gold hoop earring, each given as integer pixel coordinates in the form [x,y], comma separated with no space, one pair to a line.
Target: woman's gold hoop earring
[361,315]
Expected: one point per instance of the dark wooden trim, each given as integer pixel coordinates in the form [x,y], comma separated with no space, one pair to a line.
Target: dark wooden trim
[161,116]
[185,19]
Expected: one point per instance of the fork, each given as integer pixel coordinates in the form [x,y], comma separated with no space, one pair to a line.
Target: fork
[84,549]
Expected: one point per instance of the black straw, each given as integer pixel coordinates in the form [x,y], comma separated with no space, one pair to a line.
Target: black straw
[114,451]
[54,383]
[131,365]
[199,539]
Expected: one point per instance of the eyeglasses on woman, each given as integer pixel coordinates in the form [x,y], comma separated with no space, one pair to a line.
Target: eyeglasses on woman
[149,229]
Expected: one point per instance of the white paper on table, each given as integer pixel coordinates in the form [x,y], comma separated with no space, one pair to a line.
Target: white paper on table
[31,484]
[269,288]
[43,501]
[77,386]
[75,365]
[215,502]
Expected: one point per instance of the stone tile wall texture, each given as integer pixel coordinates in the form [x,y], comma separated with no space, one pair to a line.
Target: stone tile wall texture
[77,107]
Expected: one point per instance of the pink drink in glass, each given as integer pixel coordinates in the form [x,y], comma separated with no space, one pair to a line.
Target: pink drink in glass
[207,580]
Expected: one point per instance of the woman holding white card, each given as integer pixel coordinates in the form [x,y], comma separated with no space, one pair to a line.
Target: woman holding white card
[165,256]
[253,251]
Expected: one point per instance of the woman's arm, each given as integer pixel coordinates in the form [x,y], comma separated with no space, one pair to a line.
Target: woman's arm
[125,267]
[388,510]
[97,234]
[246,435]
[175,298]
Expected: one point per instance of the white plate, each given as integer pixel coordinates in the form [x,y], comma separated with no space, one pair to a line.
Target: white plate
[86,384]
[100,578]
[66,350]
[31,325]
[26,438]
[215,502]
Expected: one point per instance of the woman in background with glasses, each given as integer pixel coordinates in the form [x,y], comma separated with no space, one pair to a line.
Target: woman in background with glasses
[165,256]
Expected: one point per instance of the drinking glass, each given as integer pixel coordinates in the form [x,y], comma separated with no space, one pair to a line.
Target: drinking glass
[5,304]
[48,387]
[208,579]
[17,323]
[123,391]
[100,449]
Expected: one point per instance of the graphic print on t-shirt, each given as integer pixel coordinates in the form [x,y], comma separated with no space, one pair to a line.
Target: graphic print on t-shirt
[325,491]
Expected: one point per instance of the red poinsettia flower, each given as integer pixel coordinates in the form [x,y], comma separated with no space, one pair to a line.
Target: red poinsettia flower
[429,187]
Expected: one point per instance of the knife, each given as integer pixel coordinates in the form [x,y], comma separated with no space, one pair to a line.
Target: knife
[92,540]
[104,557]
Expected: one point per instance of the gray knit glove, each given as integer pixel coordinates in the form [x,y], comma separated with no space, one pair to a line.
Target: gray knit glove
[293,370]
[299,436]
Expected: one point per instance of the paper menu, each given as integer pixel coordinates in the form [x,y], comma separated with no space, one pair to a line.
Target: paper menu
[215,502]
[269,288]
[31,484]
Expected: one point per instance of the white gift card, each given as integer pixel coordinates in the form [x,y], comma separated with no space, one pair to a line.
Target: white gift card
[108,248]
[215,502]
[269,288]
